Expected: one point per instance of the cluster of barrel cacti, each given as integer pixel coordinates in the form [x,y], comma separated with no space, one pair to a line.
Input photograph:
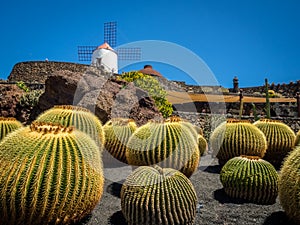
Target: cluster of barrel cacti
[52,171]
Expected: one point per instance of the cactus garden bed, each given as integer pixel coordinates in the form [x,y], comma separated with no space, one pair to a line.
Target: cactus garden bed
[215,206]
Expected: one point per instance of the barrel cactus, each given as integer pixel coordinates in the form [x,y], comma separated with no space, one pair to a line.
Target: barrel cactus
[117,133]
[237,137]
[49,174]
[156,196]
[79,117]
[280,138]
[7,125]
[297,139]
[250,178]
[202,144]
[168,143]
[289,187]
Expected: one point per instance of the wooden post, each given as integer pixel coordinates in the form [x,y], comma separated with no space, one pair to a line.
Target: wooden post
[241,104]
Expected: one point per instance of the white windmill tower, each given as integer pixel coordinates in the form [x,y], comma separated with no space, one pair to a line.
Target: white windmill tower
[105,56]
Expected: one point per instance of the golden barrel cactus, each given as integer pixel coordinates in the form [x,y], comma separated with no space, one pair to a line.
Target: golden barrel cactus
[280,138]
[156,196]
[170,144]
[79,117]
[289,185]
[7,125]
[202,144]
[237,137]
[49,174]
[250,178]
[117,133]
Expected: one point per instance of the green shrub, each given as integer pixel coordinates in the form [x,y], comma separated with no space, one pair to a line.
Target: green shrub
[23,86]
[153,88]
[30,98]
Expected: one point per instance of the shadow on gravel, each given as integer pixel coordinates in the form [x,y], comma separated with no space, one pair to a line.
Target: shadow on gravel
[278,218]
[211,169]
[115,188]
[85,220]
[117,219]
[222,197]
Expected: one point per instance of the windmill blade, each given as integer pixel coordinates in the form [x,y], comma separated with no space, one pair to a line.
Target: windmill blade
[85,52]
[129,53]
[110,33]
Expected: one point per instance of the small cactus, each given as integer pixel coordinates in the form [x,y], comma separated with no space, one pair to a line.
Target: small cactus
[250,178]
[171,144]
[117,133]
[237,137]
[49,174]
[7,125]
[289,188]
[156,196]
[202,144]
[79,117]
[280,138]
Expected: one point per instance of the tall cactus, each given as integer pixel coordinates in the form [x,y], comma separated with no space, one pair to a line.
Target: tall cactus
[289,188]
[156,196]
[117,133]
[250,178]
[171,144]
[7,125]
[280,138]
[49,175]
[237,137]
[79,117]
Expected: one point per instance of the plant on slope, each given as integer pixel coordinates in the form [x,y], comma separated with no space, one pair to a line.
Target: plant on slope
[169,143]
[79,117]
[280,138]
[156,196]
[49,174]
[237,137]
[250,178]
[289,188]
[31,98]
[7,125]
[117,133]
[153,88]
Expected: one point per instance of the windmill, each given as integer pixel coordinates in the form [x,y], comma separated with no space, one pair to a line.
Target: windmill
[110,36]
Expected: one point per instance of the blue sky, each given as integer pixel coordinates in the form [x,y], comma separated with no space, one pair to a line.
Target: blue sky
[252,40]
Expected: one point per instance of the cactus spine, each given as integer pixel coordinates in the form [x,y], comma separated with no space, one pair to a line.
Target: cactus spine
[237,137]
[117,133]
[250,178]
[8,125]
[280,138]
[156,196]
[81,118]
[48,175]
[170,144]
[289,188]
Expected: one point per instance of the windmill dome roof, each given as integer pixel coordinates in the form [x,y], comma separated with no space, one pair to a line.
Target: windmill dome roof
[150,71]
[105,46]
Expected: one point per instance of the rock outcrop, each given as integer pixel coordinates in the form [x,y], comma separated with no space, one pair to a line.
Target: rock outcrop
[107,96]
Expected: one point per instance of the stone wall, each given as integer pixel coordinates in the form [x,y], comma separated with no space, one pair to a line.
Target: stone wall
[38,71]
